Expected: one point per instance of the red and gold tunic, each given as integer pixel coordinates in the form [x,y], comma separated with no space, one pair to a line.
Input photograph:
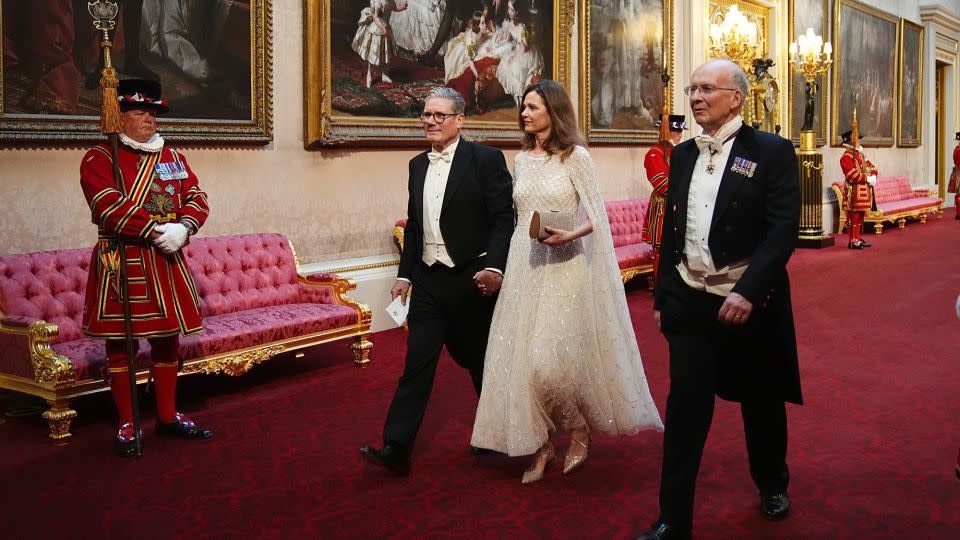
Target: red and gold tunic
[856,169]
[657,165]
[954,185]
[160,188]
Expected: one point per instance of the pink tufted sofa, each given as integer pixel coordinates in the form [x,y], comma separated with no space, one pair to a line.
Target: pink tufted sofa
[895,200]
[254,301]
[634,256]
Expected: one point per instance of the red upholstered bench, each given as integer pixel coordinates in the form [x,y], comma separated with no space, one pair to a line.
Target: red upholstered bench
[254,301]
[626,221]
[895,200]
[634,256]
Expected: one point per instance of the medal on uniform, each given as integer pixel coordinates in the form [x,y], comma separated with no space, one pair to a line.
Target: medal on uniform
[173,170]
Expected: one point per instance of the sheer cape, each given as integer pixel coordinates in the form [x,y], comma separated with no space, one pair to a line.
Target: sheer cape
[562,351]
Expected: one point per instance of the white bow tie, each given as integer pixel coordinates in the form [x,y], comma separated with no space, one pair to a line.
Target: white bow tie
[444,156]
[704,142]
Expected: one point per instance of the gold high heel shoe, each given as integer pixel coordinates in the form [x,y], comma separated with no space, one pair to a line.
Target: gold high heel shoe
[577,451]
[541,461]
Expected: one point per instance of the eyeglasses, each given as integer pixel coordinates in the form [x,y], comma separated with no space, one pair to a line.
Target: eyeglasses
[438,117]
[705,90]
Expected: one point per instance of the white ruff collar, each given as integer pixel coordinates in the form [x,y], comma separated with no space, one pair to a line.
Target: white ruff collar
[155,144]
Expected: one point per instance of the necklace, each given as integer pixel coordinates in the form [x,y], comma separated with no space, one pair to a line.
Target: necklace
[714,151]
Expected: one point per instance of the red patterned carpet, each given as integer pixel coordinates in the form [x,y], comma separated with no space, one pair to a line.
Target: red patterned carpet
[871,454]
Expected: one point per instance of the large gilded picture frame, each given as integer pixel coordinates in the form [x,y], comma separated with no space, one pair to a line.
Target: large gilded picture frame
[806,14]
[864,73]
[214,60]
[624,49]
[364,85]
[910,83]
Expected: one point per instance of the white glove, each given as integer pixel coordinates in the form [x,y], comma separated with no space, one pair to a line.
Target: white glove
[872,179]
[860,148]
[173,236]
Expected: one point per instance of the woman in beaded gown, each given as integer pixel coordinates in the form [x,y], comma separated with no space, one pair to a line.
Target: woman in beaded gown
[562,355]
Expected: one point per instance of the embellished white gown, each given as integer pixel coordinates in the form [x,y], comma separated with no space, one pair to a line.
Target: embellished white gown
[562,352]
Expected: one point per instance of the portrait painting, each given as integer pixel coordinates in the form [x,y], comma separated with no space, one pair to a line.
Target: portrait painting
[864,73]
[627,51]
[911,84]
[806,14]
[209,55]
[379,59]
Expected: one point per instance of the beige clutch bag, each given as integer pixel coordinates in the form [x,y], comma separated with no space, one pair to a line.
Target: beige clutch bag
[551,218]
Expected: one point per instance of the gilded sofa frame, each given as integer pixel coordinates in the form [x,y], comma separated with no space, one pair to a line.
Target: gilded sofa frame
[55,381]
[878,217]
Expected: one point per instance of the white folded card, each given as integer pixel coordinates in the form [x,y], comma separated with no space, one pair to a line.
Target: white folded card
[398,311]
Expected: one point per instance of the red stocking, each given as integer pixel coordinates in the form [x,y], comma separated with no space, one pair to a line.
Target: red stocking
[656,264]
[164,353]
[119,380]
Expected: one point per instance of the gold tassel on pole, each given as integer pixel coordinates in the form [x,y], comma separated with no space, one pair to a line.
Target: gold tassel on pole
[110,112]
[664,135]
[104,12]
[855,137]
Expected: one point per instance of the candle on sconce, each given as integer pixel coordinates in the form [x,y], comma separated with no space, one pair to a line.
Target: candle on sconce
[827,50]
[793,52]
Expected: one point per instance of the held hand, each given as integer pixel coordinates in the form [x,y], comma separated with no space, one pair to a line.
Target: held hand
[557,236]
[400,288]
[656,317]
[735,310]
[488,282]
[173,237]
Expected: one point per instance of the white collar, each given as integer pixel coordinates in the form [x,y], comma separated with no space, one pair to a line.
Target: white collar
[725,130]
[451,148]
[155,144]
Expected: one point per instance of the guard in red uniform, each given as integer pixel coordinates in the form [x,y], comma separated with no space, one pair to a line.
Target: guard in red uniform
[860,175]
[160,206]
[954,187]
[657,165]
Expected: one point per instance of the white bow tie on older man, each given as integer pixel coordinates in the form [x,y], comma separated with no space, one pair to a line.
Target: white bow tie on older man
[715,143]
[446,156]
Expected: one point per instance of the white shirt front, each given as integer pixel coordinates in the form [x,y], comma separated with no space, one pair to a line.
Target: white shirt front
[434,186]
[702,199]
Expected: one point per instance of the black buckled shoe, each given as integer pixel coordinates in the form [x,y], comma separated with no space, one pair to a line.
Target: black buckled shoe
[391,457]
[854,245]
[775,506]
[125,443]
[864,243]
[183,427]
[663,531]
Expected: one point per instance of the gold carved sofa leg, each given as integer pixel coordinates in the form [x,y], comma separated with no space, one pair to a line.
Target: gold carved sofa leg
[901,223]
[878,227]
[361,350]
[59,416]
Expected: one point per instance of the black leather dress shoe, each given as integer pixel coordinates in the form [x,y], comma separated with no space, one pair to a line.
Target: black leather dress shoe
[775,506]
[477,451]
[183,427]
[854,245]
[865,244]
[394,458]
[124,443]
[663,531]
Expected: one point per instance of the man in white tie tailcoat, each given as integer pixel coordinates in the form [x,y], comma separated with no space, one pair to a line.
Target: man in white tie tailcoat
[459,223]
